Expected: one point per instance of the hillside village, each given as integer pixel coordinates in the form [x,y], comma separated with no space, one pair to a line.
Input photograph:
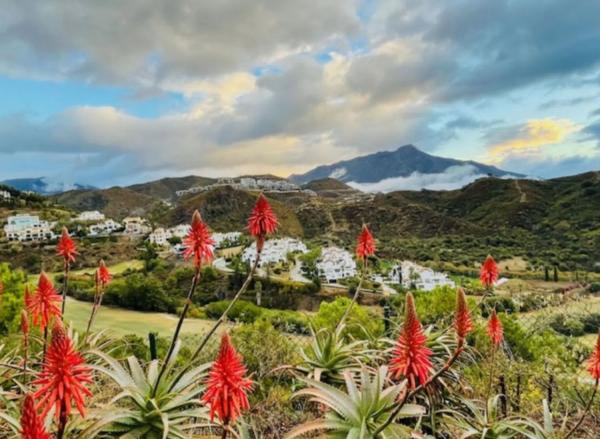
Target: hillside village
[334,264]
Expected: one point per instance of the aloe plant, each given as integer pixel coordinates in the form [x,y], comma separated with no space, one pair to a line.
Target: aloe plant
[328,355]
[169,412]
[360,410]
[474,420]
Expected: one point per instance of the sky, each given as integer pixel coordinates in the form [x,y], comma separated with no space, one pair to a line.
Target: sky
[110,92]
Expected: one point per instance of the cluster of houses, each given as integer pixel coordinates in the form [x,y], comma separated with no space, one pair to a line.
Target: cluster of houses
[249,183]
[5,195]
[274,251]
[335,264]
[411,275]
[25,227]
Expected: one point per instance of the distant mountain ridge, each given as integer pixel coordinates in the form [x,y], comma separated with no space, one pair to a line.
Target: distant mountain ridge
[43,185]
[401,163]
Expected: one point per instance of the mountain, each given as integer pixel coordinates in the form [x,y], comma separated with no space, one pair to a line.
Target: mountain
[405,168]
[43,185]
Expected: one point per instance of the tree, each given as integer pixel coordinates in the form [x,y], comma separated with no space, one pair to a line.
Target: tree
[546,274]
[11,297]
[555,274]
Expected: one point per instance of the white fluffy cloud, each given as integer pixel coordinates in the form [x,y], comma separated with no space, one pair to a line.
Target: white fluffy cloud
[277,86]
[453,177]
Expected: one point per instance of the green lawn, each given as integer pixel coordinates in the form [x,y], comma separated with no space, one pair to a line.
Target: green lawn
[122,321]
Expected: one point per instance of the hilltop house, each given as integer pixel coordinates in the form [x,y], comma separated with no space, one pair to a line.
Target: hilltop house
[104,228]
[411,275]
[160,236]
[135,225]
[24,227]
[335,264]
[90,215]
[274,251]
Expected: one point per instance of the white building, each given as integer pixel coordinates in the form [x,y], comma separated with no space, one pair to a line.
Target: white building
[335,264]
[26,227]
[90,215]
[135,225]
[104,228]
[180,231]
[409,275]
[274,251]
[222,239]
[5,195]
[160,236]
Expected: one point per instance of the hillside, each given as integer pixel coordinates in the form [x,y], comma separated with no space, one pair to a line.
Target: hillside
[330,188]
[227,209]
[165,188]
[115,202]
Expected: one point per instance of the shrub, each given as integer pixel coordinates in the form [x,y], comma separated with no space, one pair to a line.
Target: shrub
[330,314]
[567,325]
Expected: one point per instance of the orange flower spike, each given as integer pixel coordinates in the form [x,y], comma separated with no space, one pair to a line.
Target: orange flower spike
[66,247]
[44,303]
[227,387]
[462,319]
[365,245]
[262,221]
[494,329]
[489,272]
[411,358]
[64,377]
[198,243]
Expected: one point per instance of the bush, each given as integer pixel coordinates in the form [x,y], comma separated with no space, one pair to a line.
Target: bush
[567,325]
[330,314]
[499,303]
[242,311]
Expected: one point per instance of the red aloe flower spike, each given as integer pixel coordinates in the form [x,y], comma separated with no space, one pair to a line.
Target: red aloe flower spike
[44,304]
[593,365]
[489,272]
[226,385]
[365,245]
[262,221]
[462,320]
[494,329]
[103,276]
[411,358]
[198,243]
[66,247]
[64,376]
[32,426]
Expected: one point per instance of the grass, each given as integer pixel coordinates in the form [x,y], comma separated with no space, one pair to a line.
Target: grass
[122,321]
[116,269]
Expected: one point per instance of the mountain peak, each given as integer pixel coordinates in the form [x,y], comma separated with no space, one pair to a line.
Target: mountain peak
[406,167]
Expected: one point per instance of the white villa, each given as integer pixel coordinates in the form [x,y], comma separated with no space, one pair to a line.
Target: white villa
[335,264]
[274,251]
[26,227]
[90,215]
[408,274]
[104,228]
[221,238]
[135,225]
[180,230]
[159,236]
[5,195]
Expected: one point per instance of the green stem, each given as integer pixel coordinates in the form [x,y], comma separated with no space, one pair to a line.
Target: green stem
[188,302]
[65,287]
[355,297]
[221,319]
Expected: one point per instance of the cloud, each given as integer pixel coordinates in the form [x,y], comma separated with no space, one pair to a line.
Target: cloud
[453,177]
[281,87]
[530,138]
